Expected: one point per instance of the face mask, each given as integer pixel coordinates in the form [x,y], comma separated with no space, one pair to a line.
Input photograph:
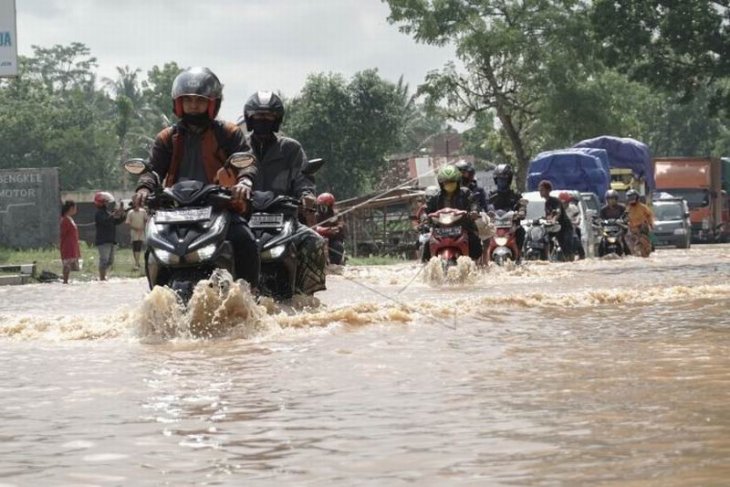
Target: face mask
[450,187]
[197,119]
[262,128]
[502,184]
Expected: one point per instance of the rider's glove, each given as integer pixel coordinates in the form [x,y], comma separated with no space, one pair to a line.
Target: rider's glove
[241,191]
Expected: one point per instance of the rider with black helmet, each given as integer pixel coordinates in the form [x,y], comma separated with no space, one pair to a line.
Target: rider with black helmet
[469,182]
[613,210]
[506,199]
[196,148]
[281,160]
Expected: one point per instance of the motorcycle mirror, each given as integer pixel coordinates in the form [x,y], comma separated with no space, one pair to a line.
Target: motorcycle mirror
[137,166]
[313,165]
[241,160]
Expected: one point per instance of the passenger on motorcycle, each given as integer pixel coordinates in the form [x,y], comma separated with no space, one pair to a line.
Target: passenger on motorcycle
[196,148]
[467,180]
[612,210]
[640,219]
[571,208]
[331,226]
[506,199]
[554,211]
[281,160]
[452,195]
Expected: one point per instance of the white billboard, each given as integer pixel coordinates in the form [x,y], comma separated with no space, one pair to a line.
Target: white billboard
[8,39]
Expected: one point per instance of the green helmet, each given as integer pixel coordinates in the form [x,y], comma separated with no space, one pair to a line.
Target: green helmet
[448,173]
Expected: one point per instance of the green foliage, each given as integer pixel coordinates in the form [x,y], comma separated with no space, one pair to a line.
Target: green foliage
[680,46]
[509,52]
[353,125]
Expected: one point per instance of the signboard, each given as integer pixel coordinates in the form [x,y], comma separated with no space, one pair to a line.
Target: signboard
[8,39]
[29,207]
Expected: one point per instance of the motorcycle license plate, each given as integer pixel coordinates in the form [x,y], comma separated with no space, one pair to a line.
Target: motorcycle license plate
[447,231]
[184,215]
[266,220]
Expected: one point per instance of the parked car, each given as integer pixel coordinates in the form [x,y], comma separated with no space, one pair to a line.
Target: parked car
[536,209]
[672,225]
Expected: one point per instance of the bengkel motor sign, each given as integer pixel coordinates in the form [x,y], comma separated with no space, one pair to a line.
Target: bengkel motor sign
[8,39]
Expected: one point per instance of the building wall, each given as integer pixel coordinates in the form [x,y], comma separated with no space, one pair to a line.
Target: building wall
[29,207]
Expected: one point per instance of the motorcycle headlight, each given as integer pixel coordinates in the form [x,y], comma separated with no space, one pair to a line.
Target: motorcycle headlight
[501,241]
[201,254]
[611,239]
[680,231]
[166,257]
[273,252]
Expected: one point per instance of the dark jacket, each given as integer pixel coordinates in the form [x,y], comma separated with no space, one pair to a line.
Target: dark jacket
[462,200]
[504,200]
[612,213]
[106,226]
[552,205]
[213,145]
[280,164]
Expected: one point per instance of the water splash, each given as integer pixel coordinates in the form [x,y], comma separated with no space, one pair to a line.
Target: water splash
[464,272]
[219,306]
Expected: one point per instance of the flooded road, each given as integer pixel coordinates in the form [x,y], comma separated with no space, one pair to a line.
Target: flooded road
[611,373]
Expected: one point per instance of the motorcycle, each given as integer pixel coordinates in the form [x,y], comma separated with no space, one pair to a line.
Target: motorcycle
[639,242]
[186,234]
[612,237]
[540,240]
[275,223]
[503,245]
[449,239]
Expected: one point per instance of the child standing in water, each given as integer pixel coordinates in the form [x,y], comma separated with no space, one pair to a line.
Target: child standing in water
[69,242]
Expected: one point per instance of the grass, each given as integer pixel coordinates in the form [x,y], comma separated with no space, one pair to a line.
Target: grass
[49,259]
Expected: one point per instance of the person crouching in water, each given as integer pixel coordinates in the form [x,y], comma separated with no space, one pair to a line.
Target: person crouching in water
[452,195]
[332,227]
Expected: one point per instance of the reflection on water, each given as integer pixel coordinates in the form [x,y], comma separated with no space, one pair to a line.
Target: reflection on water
[592,373]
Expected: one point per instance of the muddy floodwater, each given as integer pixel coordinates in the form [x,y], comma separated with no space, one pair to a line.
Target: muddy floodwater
[600,373]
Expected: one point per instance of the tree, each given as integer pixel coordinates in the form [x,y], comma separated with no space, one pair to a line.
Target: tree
[508,49]
[352,125]
[52,116]
[675,45]
[156,90]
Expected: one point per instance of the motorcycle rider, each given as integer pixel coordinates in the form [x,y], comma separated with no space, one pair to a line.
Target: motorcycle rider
[452,195]
[554,211]
[612,210]
[281,160]
[195,148]
[469,182]
[571,209]
[640,219]
[330,222]
[506,199]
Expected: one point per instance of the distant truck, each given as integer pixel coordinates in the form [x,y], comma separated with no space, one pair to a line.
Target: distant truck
[698,180]
[583,170]
[629,161]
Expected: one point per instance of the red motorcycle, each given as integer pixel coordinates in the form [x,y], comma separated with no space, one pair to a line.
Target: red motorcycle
[449,238]
[503,245]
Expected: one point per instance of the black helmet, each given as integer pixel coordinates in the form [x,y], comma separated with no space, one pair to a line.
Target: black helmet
[503,176]
[197,81]
[632,194]
[611,193]
[264,102]
[465,167]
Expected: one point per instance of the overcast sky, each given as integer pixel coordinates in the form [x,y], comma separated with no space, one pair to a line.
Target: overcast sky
[250,44]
